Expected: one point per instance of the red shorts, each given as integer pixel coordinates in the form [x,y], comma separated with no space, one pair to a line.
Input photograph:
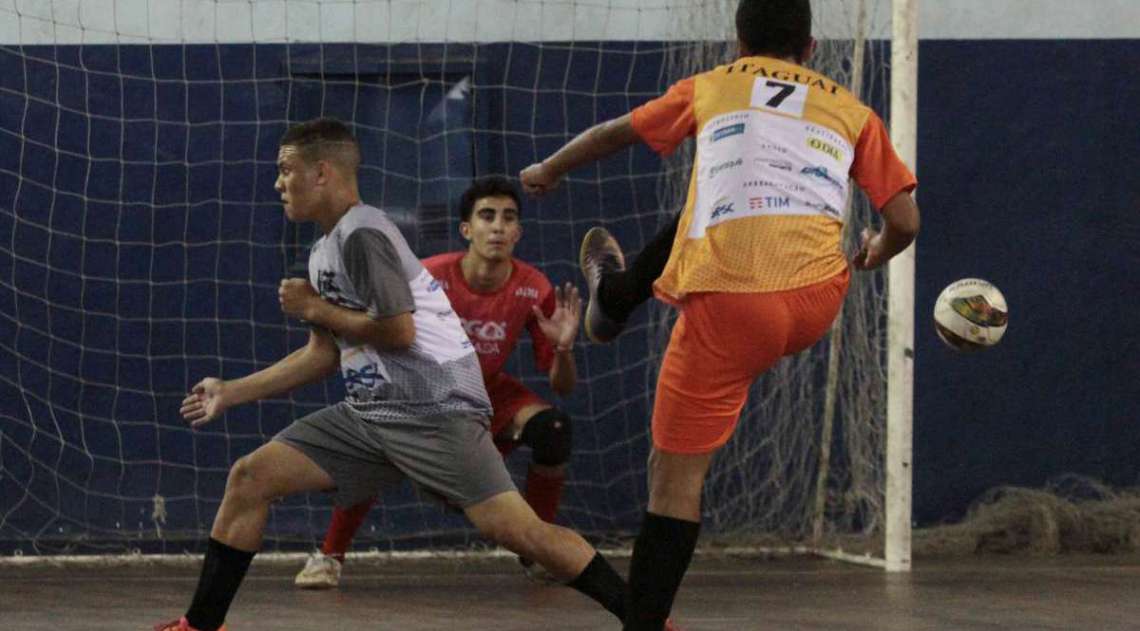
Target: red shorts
[508,396]
[721,343]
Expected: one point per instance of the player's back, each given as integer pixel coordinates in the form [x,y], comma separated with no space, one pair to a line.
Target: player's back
[776,143]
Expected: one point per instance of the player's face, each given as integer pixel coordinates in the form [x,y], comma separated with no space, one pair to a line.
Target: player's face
[493,229]
[297,184]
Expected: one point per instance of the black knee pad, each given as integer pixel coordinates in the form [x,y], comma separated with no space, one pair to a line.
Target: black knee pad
[549,434]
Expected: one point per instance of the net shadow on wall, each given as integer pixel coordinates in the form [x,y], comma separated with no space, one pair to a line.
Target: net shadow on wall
[412,111]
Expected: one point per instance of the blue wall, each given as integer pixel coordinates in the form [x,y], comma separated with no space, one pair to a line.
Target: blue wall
[1028,171]
[1029,176]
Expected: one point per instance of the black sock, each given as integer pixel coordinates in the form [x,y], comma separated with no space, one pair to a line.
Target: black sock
[619,293]
[222,573]
[660,557]
[602,583]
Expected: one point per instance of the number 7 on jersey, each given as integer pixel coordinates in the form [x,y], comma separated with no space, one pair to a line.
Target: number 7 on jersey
[779,96]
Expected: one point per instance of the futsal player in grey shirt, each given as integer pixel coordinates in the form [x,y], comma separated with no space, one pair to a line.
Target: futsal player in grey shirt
[415,408]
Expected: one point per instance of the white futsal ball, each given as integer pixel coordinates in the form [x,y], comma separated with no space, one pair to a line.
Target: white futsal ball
[970,314]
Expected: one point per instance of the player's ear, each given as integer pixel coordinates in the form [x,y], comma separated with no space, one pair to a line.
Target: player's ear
[809,50]
[465,230]
[323,171]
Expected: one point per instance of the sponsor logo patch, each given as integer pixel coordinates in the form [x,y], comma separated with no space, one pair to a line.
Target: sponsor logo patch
[485,330]
[821,173]
[722,207]
[724,166]
[782,165]
[824,147]
[730,130]
[760,203]
[791,187]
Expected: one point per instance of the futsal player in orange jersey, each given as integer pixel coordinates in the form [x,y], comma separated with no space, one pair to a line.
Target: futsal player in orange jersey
[754,261]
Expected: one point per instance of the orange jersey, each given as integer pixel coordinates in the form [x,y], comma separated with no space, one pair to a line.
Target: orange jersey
[776,144]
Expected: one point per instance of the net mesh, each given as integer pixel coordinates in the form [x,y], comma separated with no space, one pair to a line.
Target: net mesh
[141,244]
[1070,514]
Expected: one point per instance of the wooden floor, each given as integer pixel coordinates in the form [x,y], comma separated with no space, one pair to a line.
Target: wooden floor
[1101,593]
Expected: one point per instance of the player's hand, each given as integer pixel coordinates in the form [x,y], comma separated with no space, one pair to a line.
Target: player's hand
[870,254]
[296,296]
[205,402]
[561,328]
[538,180]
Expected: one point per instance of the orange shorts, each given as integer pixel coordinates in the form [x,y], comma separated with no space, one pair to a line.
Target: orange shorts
[720,344]
[508,396]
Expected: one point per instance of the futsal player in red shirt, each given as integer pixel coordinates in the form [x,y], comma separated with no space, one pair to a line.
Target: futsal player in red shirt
[496,297]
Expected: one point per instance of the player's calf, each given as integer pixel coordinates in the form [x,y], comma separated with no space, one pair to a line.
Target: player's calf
[549,433]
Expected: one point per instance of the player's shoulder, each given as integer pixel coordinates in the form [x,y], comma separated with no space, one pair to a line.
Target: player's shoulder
[441,261]
[363,218]
[525,273]
[527,282]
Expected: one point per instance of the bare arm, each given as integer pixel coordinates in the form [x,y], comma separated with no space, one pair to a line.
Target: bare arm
[210,397]
[561,329]
[312,362]
[900,227]
[595,143]
[395,333]
[299,299]
[563,372]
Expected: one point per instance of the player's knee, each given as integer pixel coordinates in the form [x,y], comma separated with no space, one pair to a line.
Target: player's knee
[245,480]
[549,434]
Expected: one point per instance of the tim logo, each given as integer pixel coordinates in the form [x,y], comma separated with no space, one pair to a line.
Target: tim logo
[729,130]
[526,292]
[723,207]
[760,203]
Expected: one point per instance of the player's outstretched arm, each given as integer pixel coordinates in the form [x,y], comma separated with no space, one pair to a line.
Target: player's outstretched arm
[900,227]
[300,300]
[561,329]
[591,145]
[210,397]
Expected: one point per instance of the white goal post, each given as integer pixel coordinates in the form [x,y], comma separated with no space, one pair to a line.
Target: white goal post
[900,327]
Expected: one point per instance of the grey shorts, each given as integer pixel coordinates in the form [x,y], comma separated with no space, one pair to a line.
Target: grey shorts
[449,456]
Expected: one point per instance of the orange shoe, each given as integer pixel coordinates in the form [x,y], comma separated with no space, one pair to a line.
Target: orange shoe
[180,625]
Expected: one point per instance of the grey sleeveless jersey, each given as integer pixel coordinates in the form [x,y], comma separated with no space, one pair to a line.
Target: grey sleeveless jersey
[364,264]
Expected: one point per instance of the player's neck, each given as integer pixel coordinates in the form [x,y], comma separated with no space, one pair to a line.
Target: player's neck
[338,207]
[787,58]
[484,275]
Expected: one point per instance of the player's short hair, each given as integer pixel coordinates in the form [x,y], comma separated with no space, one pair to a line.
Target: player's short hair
[324,139]
[486,186]
[781,28]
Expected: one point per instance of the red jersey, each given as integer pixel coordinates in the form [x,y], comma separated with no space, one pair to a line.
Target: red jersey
[494,320]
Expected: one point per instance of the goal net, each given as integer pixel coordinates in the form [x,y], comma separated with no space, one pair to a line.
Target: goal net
[141,244]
